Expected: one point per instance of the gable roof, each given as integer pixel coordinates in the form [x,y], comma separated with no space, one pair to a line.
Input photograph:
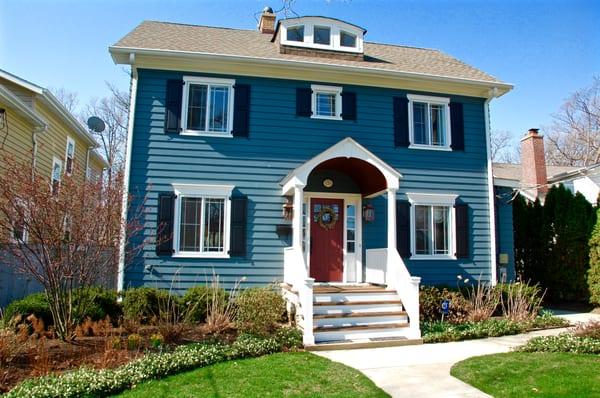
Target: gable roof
[513,171]
[182,39]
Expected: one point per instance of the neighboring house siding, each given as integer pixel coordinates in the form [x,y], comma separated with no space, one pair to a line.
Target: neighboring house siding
[504,226]
[280,141]
[16,137]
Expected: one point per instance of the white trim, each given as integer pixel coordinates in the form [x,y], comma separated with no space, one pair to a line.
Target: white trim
[440,200]
[320,89]
[69,141]
[125,199]
[429,100]
[504,182]
[491,195]
[208,81]
[347,148]
[204,191]
[335,28]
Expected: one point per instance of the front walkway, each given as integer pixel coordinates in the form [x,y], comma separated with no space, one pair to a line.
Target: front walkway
[424,370]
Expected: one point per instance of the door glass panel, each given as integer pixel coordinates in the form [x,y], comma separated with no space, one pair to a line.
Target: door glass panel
[350,228]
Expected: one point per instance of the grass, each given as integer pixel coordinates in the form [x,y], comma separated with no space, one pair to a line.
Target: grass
[296,374]
[519,374]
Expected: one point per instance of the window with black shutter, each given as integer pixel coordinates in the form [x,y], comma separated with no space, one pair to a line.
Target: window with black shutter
[348,105]
[303,98]
[165,220]
[462,230]
[401,131]
[403,227]
[173,99]
[239,219]
[457,124]
[241,111]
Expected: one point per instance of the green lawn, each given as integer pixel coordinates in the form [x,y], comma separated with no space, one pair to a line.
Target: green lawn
[520,374]
[298,374]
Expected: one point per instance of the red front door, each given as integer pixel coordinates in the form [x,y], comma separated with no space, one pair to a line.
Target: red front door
[327,240]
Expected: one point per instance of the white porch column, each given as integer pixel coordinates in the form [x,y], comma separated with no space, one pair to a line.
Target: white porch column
[391,218]
[297,218]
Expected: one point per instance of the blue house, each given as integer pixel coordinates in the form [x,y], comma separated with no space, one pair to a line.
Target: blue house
[348,171]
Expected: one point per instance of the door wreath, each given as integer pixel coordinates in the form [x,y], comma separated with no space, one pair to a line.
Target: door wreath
[327,217]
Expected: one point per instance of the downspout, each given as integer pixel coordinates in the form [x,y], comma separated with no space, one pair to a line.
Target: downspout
[125,201]
[87,162]
[493,93]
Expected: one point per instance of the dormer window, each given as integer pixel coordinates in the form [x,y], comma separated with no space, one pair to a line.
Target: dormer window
[347,39]
[295,33]
[322,34]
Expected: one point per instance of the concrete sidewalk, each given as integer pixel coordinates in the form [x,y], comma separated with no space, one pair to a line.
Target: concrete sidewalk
[424,370]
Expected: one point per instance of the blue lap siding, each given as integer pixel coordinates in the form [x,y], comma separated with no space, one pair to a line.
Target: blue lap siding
[279,141]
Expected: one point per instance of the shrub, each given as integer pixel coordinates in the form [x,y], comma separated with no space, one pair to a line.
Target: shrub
[36,304]
[259,310]
[143,304]
[590,329]
[439,332]
[519,301]
[593,274]
[482,301]
[157,340]
[89,382]
[134,341]
[564,342]
[197,300]
[546,319]
[430,301]
[100,303]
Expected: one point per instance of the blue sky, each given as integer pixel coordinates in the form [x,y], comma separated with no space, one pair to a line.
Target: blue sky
[547,49]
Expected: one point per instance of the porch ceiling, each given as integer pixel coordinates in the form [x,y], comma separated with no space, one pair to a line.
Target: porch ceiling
[369,179]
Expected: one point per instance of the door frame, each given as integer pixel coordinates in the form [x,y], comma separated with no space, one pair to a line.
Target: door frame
[348,198]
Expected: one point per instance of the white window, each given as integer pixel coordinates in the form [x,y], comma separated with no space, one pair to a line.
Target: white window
[326,102]
[56,175]
[207,106]
[429,122]
[295,33]
[202,214]
[69,156]
[432,226]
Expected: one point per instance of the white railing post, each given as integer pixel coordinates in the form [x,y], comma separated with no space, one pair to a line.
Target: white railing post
[306,302]
[391,218]
[297,218]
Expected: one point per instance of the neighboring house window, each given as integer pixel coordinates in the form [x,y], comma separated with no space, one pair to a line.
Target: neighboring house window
[207,106]
[347,39]
[202,214]
[56,175]
[295,33]
[20,228]
[432,226]
[429,121]
[69,156]
[326,102]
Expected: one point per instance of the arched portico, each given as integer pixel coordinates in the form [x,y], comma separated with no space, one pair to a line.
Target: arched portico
[371,177]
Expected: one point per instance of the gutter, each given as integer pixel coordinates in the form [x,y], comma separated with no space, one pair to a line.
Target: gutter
[122,55]
[491,195]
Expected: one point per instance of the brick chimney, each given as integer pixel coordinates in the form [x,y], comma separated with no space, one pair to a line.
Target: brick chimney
[533,162]
[267,21]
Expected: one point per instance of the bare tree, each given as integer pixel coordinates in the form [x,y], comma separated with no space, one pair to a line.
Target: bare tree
[64,235]
[573,139]
[503,148]
[69,99]
[114,111]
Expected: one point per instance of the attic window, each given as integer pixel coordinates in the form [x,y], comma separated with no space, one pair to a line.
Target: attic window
[322,35]
[347,39]
[296,33]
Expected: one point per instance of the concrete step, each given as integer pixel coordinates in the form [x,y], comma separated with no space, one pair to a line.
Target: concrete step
[352,297]
[389,306]
[380,321]
[358,333]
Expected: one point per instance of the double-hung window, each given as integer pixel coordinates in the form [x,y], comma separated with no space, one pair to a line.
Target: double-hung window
[69,156]
[326,102]
[202,214]
[432,226]
[56,175]
[207,106]
[429,122]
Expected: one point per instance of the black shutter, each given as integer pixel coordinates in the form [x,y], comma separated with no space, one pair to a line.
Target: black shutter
[239,211]
[457,126]
[401,122]
[241,110]
[173,106]
[165,220]
[303,98]
[403,227]
[348,106]
[462,230]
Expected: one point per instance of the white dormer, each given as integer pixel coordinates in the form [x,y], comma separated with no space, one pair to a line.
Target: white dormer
[322,33]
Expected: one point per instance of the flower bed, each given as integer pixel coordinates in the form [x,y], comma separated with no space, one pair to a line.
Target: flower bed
[104,382]
[564,342]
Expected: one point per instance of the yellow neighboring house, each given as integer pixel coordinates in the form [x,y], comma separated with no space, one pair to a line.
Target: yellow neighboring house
[35,126]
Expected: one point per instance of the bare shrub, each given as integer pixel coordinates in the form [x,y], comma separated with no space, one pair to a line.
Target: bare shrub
[522,303]
[220,313]
[482,301]
[590,329]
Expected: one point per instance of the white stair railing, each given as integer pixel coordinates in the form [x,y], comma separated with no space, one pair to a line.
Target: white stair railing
[296,275]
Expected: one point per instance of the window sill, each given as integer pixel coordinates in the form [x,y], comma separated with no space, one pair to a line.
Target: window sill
[430,147]
[206,134]
[432,257]
[326,117]
[200,255]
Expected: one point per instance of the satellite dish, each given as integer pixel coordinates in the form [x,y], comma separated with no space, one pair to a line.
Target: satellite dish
[96,124]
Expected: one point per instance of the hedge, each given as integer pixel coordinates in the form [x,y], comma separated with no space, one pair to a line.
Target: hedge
[87,382]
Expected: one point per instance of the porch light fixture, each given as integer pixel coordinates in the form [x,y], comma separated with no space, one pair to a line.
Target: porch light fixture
[368,213]
[288,208]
